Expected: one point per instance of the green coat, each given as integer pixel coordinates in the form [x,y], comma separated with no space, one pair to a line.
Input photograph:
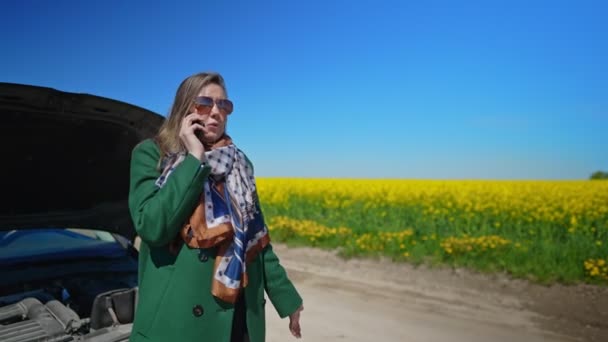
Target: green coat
[175,301]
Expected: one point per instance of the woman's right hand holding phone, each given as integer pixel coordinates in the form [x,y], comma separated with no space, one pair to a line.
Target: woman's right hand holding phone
[192,123]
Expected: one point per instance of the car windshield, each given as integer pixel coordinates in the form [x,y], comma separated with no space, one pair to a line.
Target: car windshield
[48,244]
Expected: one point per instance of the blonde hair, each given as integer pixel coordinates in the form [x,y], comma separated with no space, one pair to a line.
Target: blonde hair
[168,134]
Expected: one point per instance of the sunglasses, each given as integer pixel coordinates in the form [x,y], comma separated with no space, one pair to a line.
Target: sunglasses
[204,105]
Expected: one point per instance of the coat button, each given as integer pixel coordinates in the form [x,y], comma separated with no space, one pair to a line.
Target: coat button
[203,257]
[197,311]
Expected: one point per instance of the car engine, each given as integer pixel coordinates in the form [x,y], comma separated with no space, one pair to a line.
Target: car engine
[29,319]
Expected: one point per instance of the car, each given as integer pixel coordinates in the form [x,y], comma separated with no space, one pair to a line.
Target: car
[67,257]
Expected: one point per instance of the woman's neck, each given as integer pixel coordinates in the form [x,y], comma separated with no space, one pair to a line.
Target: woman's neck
[222,141]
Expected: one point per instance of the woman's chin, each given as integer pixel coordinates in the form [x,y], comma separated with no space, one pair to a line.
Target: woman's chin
[211,137]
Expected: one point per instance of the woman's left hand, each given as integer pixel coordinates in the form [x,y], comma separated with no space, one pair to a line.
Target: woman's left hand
[294,322]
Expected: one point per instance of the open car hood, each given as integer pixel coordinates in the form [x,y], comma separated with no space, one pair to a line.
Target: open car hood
[66,157]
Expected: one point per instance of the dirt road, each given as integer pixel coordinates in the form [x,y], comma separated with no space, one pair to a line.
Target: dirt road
[380,301]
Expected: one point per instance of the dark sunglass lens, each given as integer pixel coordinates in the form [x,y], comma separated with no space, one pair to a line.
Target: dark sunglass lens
[204,101]
[225,105]
[202,110]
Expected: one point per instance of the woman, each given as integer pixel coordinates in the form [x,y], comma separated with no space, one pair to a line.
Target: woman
[205,258]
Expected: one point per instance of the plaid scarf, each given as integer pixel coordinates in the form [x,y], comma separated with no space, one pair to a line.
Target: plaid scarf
[228,216]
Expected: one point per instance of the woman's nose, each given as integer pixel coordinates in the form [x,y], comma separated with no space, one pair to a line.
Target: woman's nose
[215,110]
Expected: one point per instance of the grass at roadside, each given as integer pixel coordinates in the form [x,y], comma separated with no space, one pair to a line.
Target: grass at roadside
[545,231]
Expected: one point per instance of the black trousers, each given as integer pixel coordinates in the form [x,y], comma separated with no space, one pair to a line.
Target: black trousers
[239,322]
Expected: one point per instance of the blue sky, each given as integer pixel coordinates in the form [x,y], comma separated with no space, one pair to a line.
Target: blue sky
[365,89]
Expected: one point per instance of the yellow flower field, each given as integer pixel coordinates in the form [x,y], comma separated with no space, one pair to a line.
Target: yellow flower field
[544,230]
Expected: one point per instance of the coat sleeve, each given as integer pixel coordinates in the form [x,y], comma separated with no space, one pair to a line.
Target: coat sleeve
[281,291]
[158,213]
